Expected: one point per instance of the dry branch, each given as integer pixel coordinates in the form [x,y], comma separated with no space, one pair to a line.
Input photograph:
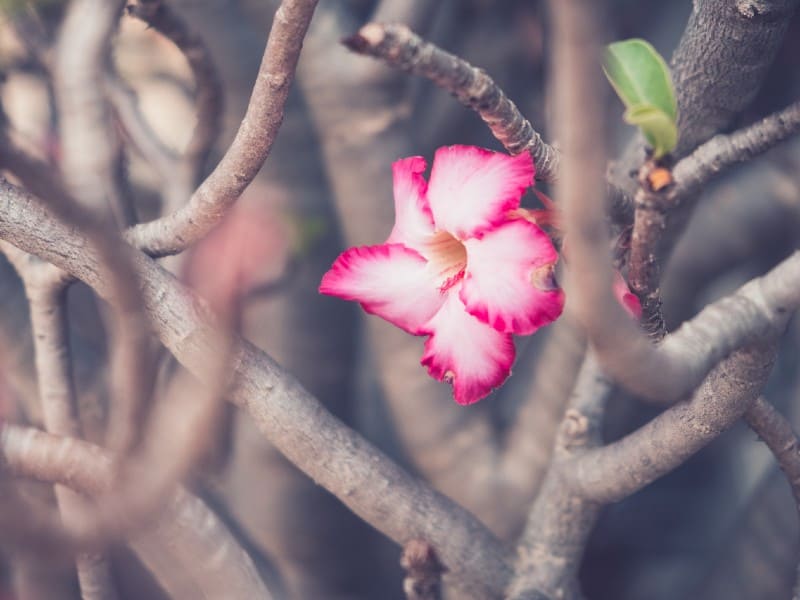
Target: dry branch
[401,48]
[208,93]
[249,149]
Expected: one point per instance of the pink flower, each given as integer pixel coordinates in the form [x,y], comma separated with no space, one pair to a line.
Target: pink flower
[459,266]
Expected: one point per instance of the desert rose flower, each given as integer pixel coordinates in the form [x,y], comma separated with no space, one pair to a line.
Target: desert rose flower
[460,266]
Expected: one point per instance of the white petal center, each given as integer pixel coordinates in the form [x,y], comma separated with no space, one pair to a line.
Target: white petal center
[447,256]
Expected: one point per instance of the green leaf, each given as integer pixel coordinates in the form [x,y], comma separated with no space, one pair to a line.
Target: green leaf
[658,128]
[642,80]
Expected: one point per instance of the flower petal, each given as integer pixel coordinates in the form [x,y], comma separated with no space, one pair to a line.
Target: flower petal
[508,283]
[462,351]
[413,218]
[389,280]
[471,188]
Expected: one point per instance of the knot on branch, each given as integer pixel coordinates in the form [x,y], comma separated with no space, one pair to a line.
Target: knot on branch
[423,571]
[574,428]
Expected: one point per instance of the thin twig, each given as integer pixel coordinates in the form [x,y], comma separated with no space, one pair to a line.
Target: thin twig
[722,152]
[248,151]
[401,48]
[779,436]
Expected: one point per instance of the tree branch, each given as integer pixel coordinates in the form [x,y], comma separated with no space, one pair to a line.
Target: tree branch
[615,471]
[333,455]
[249,149]
[717,68]
[47,296]
[722,152]
[398,46]
[208,94]
[187,528]
[91,153]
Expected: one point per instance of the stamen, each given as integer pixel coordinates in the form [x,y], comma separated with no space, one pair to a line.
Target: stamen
[448,257]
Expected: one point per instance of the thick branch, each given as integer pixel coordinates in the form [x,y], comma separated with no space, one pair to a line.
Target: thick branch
[250,148]
[619,469]
[401,48]
[560,521]
[329,452]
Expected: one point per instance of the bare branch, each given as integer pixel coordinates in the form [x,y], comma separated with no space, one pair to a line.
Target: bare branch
[724,151]
[332,454]
[401,48]
[187,528]
[777,433]
[619,469]
[90,162]
[250,148]
[59,405]
[174,173]
[560,521]
[209,97]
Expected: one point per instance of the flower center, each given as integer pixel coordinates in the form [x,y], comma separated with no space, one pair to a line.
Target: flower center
[448,257]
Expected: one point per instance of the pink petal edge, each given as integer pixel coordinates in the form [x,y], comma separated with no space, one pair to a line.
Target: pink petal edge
[389,280]
[413,217]
[466,353]
[508,282]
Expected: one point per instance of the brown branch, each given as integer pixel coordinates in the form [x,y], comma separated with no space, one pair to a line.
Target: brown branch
[249,149]
[91,152]
[187,529]
[617,470]
[722,152]
[644,267]
[398,46]
[47,297]
[332,454]
[779,436]
[560,521]
[209,98]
